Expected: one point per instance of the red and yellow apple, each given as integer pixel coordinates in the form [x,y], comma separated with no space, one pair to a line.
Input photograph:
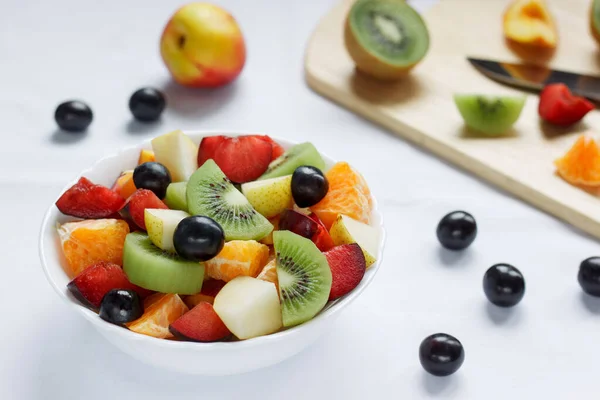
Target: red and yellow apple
[203,46]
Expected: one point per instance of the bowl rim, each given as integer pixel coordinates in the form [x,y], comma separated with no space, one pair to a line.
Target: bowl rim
[335,307]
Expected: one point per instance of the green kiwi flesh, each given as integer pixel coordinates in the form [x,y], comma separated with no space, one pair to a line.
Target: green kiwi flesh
[490,115]
[152,268]
[176,198]
[211,194]
[303,275]
[294,157]
[390,30]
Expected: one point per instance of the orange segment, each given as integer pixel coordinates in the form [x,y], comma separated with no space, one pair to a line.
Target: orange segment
[160,310]
[269,238]
[269,273]
[581,164]
[238,257]
[87,242]
[146,156]
[124,184]
[348,194]
[195,299]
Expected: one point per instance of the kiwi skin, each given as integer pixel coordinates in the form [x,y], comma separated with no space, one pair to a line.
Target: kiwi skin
[593,30]
[369,64]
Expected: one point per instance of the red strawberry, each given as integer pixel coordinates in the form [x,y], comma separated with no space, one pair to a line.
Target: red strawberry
[87,200]
[139,201]
[321,238]
[242,159]
[211,287]
[559,106]
[95,281]
[200,324]
[348,266]
[277,149]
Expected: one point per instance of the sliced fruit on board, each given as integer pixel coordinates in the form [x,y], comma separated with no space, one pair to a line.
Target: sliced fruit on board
[139,202]
[146,156]
[385,38]
[176,196]
[346,230]
[560,107]
[347,264]
[489,115]
[295,156]
[238,257]
[595,20]
[530,31]
[178,153]
[85,243]
[348,194]
[211,194]
[90,286]
[269,197]
[304,277]
[249,307]
[161,226]
[305,226]
[581,164]
[242,159]
[151,268]
[160,311]
[269,273]
[88,200]
[200,324]
[124,185]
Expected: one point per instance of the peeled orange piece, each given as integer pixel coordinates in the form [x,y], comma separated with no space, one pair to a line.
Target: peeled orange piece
[269,273]
[87,242]
[348,194]
[146,156]
[238,257]
[581,164]
[160,310]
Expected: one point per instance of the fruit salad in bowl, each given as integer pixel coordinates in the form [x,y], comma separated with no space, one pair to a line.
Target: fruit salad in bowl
[213,253]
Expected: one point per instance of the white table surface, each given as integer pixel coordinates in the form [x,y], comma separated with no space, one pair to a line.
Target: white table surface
[547,347]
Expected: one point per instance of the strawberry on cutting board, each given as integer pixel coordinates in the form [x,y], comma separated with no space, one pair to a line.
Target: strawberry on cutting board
[88,200]
[242,159]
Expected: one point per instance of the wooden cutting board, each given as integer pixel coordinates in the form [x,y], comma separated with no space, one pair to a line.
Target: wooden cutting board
[421,108]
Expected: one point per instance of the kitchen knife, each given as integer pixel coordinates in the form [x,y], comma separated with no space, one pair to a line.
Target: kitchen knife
[532,77]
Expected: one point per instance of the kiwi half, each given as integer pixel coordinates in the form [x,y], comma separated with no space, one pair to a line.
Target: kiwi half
[151,268]
[303,275]
[490,115]
[211,194]
[385,38]
[295,156]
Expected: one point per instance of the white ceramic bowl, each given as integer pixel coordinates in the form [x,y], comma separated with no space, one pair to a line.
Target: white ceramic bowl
[188,357]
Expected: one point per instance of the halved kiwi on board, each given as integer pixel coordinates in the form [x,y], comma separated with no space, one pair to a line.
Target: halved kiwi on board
[489,115]
[385,38]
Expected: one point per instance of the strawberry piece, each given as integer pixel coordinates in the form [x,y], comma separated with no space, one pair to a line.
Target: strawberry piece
[321,238]
[277,149]
[560,107]
[95,281]
[88,200]
[139,201]
[200,324]
[211,287]
[242,159]
[348,266]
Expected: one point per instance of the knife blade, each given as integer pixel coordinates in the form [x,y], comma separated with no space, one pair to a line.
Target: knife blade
[533,77]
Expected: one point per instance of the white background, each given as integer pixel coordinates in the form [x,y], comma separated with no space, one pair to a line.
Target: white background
[101,51]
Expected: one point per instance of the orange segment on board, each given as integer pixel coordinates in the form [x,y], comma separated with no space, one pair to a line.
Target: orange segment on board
[238,257]
[146,156]
[160,310]
[581,164]
[87,242]
[348,194]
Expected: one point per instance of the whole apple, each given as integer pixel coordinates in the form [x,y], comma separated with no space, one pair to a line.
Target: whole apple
[203,46]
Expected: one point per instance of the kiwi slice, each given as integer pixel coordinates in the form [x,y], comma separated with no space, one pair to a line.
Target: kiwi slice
[211,194]
[303,275]
[490,115]
[176,198]
[295,156]
[385,38]
[151,268]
